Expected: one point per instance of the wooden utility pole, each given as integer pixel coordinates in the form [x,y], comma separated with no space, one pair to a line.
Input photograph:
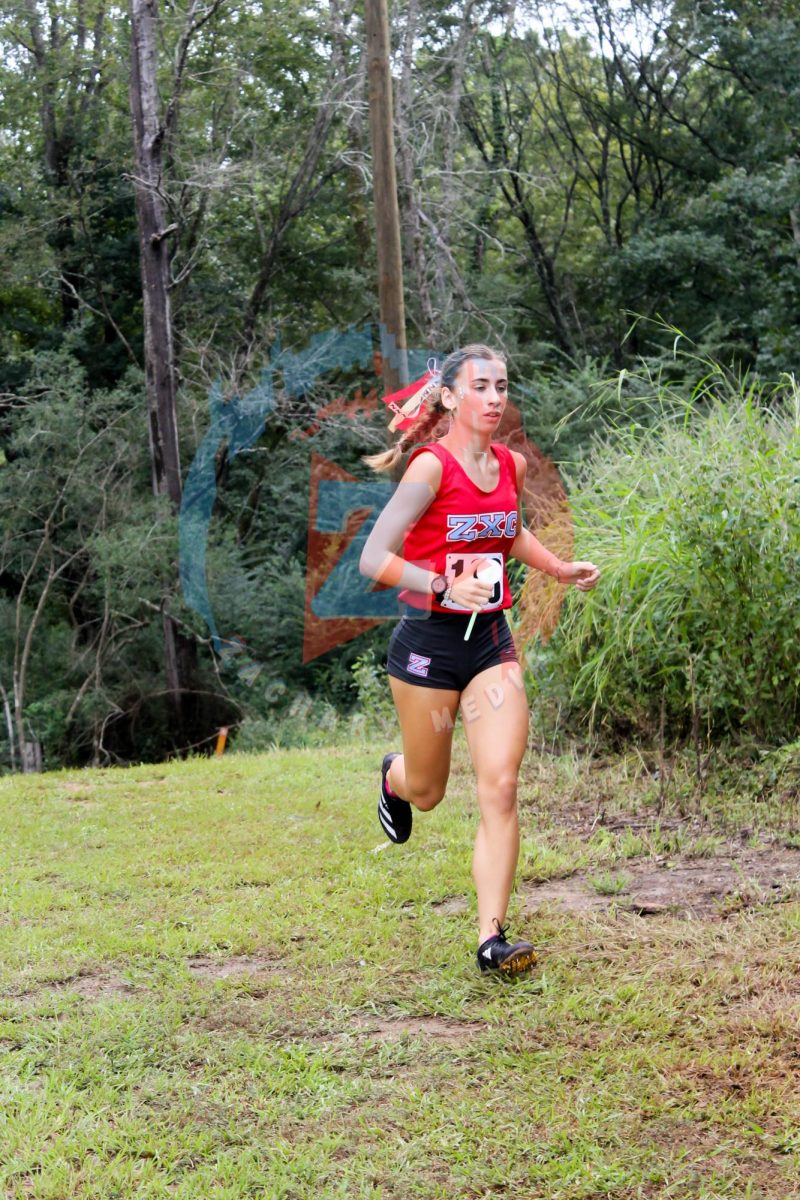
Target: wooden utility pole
[384,187]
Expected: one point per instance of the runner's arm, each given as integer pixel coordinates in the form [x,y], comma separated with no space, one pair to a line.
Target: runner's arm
[412,496]
[526,547]
[530,551]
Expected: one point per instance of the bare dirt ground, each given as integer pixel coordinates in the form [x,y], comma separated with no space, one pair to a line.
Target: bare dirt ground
[689,867]
[704,888]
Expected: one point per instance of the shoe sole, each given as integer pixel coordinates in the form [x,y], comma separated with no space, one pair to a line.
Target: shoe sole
[515,964]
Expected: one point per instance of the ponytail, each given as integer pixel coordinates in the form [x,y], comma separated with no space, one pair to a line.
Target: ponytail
[429,413]
[421,431]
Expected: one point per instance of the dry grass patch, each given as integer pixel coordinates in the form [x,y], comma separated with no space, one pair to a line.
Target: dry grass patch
[451,906]
[93,984]
[393,1029]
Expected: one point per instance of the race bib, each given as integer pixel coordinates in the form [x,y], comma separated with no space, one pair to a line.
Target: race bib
[458,564]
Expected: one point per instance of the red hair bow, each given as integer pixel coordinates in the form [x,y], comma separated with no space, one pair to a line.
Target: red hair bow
[414,395]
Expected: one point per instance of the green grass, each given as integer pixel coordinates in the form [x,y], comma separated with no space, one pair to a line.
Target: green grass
[216,980]
[610,883]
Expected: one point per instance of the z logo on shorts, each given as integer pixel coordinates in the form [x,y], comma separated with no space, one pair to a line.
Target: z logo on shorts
[418,664]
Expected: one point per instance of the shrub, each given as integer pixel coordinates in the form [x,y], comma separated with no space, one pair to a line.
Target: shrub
[695,523]
[374,697]
[304,721]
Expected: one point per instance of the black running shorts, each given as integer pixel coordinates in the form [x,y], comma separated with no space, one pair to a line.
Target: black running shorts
[432,652]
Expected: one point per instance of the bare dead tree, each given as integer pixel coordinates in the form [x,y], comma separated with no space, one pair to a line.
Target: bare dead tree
[353,108]
[438,204]
[300,192]
[154,131]
[9,728]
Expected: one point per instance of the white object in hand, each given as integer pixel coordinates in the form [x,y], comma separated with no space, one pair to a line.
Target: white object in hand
[492,573]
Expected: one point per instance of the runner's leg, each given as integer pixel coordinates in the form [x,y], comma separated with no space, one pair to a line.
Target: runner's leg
[494,709]
[427,716]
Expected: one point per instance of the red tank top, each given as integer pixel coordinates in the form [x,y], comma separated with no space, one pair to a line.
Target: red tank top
[463,525]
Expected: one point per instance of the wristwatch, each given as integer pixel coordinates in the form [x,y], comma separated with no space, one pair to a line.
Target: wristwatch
[439,586]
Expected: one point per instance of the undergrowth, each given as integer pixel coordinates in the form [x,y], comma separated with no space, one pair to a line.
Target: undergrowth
[694,519]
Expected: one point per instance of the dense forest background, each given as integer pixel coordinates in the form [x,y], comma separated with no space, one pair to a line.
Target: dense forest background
[608,192]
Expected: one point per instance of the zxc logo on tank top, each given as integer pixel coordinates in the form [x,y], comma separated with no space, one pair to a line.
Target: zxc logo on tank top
[468,527]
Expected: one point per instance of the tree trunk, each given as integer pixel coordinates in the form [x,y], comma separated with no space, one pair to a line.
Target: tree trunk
[154,255]
[10,728]
[148,133]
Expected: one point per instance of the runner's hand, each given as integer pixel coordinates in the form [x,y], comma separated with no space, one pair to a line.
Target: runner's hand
[583,574]
[469,592]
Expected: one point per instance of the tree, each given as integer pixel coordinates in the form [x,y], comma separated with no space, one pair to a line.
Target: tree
[67,484]
[154,130]
[71,224]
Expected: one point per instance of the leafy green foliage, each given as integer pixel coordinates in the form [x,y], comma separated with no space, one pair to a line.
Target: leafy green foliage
[694,522]
[84,552]
[374,696]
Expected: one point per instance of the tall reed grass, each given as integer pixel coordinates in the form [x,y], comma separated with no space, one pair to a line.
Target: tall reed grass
[693,516]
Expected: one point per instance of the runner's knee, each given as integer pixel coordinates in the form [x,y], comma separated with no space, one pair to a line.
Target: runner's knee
[425,796]
[498,796]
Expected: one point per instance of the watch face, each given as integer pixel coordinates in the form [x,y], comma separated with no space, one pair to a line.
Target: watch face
[439,585]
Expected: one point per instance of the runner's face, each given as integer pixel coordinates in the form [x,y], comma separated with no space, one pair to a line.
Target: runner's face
[480,392]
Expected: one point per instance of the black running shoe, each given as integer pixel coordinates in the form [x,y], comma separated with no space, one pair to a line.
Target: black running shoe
[394,814]
[498,954]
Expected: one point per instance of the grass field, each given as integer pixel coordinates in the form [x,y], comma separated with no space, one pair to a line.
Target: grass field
[218,980]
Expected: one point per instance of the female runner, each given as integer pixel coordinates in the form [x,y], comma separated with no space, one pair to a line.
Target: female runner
[457,509]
